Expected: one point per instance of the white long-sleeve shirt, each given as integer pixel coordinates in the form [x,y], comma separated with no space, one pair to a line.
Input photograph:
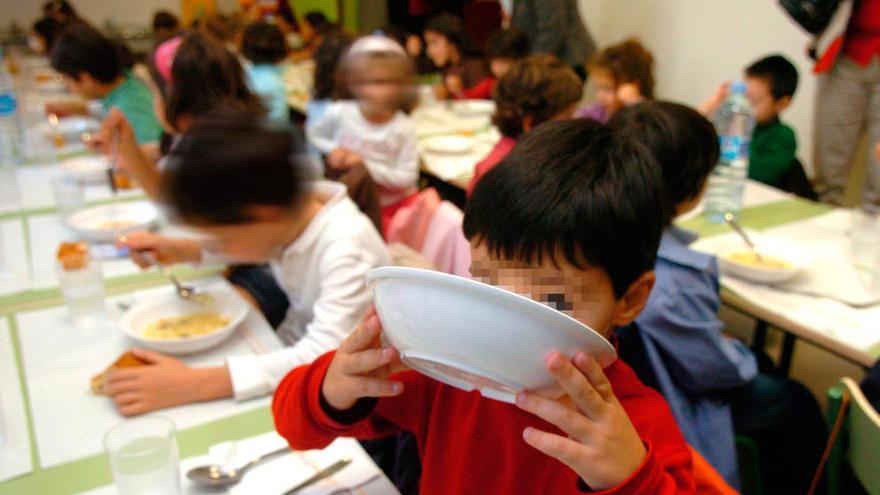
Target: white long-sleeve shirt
[389,149]
[323,274]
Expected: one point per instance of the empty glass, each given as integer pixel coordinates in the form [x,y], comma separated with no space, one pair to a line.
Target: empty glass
[83,291]
[143,457]
[69,193]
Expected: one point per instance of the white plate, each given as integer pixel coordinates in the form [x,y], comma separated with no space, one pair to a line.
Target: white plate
[449,145]
[474,107]
[92,223]
[71,127]
[780,249]
[475,336]
[92,169]
[168,304]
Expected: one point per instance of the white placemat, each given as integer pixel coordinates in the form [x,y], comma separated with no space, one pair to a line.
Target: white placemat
[14,267]
[15,446]
[59,361]
[443,118]
[277,475]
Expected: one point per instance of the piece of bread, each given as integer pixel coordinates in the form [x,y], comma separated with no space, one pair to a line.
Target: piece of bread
[126,360]
[73,255]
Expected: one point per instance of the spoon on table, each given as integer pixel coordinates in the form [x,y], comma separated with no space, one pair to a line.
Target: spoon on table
[730,220]
[214,475]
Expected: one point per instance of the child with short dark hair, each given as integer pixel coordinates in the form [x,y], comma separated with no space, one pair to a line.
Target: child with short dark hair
[93,68]
[165,26]
[238,181]
[264,46]
[623,75]
[326,87]
[678,346]
[573,203]
[465,72]
[536,89]
[504,48]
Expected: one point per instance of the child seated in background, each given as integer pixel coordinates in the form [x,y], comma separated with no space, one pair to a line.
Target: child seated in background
[465,72]
[313,27]
[572,207]
[372,130]
[504,48]
[770,85]
[237,182]
[536,89]
[325,89]
[678,346]
[623,75]
[92,68]
[264,46]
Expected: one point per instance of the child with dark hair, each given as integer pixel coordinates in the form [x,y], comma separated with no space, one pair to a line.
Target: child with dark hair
[536,89]
[165,25]
[264,46]
[238,181]
[372,130]
[678,346]
[312,30]
[623,75]
[326,87]
[93,68]
[574,206]
[504,48]
[43,35]
[465,72]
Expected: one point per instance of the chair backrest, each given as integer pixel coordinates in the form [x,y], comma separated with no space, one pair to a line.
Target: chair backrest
[859,442]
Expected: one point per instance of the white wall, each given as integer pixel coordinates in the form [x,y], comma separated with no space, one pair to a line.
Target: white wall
[699,43]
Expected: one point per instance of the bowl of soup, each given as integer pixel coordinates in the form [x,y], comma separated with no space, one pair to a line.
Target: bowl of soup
[774,261]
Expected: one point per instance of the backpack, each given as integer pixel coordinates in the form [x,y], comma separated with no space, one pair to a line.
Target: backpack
[812,15]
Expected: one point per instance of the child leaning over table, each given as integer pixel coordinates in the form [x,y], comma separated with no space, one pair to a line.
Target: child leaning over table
[373,131]
[678,346]
[237,181]
[574,216]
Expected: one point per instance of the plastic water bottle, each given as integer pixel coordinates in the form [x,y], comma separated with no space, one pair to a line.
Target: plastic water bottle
[734,123]
[11,137]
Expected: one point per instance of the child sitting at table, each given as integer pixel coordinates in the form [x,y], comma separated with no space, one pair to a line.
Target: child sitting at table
[536,89]
[372,130]
[325,89]
[573,216]
[264,46]
[464,70]
[679,347]
[504,48]
[237,181]
[623,75]
[770,85]
[92,68]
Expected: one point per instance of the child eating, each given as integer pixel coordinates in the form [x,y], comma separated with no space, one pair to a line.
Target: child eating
[622,75]
[465,72]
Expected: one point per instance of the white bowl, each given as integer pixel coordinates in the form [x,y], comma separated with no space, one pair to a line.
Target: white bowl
[168,304]
[474,336]
[93,223]
[788,252]
[91,169]
[449,145]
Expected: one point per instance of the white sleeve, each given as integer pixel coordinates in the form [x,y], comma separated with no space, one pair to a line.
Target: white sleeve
[322,133]
[401,171]
[343,300]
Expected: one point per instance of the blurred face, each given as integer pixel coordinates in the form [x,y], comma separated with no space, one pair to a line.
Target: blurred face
[306,32]
[606,90]
[500,66]
[440,50]
[765,107]
[587,296]
[254,242]
[379,83]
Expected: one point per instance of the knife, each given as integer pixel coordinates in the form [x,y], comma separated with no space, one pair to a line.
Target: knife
[320,475]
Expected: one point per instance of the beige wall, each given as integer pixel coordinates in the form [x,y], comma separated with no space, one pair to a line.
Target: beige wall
[699,43]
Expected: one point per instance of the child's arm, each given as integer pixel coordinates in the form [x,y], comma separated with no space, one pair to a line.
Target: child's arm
[322,133]
[335,395]
[600,444]
[67,108]
[774,156]
[400,171]
[117,136]
[713,103]
[480,91]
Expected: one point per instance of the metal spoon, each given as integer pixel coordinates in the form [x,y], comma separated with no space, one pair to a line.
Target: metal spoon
[728,217]
[114,158]
[214,475]
[183,291]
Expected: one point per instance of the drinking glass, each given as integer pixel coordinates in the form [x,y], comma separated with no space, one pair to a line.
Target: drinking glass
[143,457]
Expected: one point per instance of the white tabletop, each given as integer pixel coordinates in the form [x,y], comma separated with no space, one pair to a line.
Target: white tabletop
[15,446]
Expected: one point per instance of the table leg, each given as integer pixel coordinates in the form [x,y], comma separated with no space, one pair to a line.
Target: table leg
[760,336]
[785,357]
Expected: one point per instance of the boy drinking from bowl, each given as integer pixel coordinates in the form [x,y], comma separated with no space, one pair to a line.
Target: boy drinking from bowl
[572,218]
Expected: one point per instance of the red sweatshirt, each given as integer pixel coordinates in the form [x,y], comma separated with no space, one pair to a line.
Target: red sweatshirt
[862,41]
[472,445]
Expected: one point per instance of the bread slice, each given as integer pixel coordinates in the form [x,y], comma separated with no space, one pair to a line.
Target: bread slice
[126,360]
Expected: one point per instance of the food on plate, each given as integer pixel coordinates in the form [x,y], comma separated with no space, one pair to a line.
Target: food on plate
[750,258]
[126,360]
[190,325]
[116,224]
[73,255]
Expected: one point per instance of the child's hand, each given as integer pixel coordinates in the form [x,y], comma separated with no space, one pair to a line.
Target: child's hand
[165,382]
[146,248]
[361,368]
[454,85]
[66,108]
[336,158]
[711,105]
[352,160]
[602,445]
[629,94]
[117,136]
